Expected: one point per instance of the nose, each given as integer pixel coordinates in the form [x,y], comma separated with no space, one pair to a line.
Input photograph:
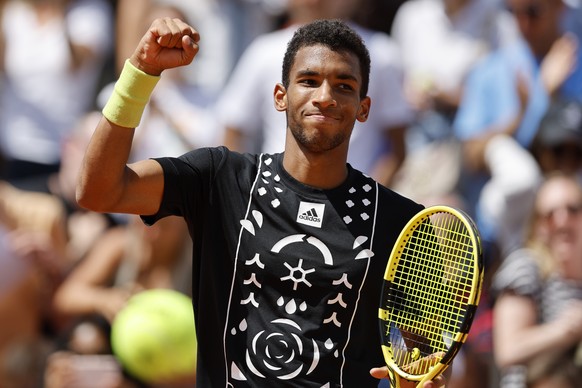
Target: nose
[323,96]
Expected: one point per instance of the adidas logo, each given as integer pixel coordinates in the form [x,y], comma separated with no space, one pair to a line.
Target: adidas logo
[311,214]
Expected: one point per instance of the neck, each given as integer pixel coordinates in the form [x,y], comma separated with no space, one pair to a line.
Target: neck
[326,170]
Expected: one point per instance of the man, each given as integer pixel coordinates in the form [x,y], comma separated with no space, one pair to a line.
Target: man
[245,107]
[288,246]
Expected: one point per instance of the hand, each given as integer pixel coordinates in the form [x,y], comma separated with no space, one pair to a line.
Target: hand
[559,63]
[439,381]
[114,299]
[168,43]
[569,322]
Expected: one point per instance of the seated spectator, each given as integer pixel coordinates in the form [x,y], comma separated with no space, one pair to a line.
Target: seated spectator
[32,243]
[46,90]
[538,308]
[127,259]
[508,92]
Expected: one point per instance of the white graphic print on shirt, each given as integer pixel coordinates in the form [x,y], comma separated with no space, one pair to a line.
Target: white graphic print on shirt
[297,280]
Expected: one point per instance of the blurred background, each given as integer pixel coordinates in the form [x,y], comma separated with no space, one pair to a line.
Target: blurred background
[475,104]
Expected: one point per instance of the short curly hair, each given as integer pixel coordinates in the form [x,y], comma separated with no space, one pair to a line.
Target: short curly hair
[336,35]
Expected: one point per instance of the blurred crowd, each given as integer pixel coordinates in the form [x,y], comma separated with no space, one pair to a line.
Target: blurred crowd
[476,104]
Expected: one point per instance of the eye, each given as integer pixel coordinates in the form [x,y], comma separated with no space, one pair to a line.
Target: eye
[308,82]
[347,87]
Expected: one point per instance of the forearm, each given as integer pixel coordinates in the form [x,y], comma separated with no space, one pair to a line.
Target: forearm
[519,337]
[474,149]
[77,300]
[530,343]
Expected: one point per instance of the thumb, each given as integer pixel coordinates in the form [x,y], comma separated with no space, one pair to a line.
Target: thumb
[190,48]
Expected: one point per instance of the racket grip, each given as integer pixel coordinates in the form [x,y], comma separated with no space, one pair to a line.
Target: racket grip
[393,378]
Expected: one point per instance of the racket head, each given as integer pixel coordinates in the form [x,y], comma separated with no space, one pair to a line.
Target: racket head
[432,286]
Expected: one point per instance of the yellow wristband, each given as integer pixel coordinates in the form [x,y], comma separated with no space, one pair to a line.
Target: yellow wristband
[130,95]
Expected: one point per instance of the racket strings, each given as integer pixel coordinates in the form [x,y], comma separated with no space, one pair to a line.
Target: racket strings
[431,290]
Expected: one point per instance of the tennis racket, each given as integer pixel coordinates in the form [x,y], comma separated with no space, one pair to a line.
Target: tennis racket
[432,286]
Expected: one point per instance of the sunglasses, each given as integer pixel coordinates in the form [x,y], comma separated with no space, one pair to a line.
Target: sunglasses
[531,11]
[570,209]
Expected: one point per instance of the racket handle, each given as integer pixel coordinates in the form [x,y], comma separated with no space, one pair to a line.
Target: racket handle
[427,378]
[393,378]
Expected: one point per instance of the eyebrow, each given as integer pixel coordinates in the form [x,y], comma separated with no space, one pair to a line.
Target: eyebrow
[311,73]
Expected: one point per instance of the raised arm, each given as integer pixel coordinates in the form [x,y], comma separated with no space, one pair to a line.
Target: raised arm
[106,182]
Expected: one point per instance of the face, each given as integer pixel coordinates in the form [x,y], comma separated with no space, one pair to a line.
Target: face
[323,98]
[538,21]
[559,215]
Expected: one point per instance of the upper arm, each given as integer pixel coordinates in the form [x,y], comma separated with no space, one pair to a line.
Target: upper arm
[138,190]
[512,315]
[143,188]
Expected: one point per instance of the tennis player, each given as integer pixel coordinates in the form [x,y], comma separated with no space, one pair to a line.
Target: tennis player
[289,248]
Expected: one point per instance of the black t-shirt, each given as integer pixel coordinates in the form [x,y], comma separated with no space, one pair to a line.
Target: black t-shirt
[286,278]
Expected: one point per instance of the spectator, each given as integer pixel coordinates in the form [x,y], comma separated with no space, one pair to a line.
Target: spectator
[32,241]
[246,109]
[507,93]
[436,60]
[83,228]
[538,310]
[128,259]
[54,53]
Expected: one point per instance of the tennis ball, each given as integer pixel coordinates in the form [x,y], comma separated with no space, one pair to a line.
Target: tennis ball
[154,337]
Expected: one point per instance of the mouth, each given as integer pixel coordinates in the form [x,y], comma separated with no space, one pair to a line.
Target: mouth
[321,116]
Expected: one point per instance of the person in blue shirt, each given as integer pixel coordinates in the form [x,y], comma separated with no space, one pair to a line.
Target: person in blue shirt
[505,98]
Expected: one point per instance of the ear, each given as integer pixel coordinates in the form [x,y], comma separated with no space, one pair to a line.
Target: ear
[364,109]
[280,97]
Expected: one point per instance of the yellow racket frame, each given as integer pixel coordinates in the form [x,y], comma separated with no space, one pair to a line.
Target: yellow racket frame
[440,297]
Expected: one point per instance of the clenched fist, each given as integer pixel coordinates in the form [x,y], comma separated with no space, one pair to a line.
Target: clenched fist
[168,43]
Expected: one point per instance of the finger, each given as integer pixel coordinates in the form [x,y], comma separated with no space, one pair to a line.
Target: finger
[379,373]
[190,48]
[172,31]
[187,30]
[438,381]
[431,359]
[168,33]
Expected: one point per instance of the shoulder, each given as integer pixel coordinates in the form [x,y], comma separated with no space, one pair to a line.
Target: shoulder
[519,272]
[396,207]
[206,159]
[392,196]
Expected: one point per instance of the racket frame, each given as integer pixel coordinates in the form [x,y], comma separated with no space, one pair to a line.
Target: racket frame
[395,371]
